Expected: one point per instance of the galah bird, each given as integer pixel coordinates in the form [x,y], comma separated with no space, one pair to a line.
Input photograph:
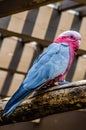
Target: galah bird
[52,64]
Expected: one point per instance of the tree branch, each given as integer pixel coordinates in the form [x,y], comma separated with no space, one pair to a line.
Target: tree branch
[48,101]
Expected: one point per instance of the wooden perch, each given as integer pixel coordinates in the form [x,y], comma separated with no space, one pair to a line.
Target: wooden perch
[53,100]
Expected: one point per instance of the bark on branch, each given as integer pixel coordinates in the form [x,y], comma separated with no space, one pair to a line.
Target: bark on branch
[48,101]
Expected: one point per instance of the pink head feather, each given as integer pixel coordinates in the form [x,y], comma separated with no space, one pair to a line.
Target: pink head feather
[72,38]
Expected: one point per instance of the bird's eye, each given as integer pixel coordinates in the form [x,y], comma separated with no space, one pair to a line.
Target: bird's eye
[71,36]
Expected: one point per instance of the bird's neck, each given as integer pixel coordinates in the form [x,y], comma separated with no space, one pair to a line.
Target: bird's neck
[72,44]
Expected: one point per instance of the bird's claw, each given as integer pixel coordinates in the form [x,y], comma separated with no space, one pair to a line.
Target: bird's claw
[63,82]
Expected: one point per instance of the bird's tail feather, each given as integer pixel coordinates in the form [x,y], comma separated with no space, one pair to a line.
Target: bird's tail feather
[15,100]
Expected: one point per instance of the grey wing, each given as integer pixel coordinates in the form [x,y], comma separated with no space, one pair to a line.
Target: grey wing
[52,48]
[38,73]
[59,61]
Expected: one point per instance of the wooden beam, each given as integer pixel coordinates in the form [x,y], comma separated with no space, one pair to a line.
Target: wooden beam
[82,11]
[83,33]
[79,72]
[8,7]
[22,5]
[27,39]
[48,101]
[80,1]
[65,5]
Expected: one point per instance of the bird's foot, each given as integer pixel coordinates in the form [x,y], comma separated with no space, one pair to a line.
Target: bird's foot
[63,82]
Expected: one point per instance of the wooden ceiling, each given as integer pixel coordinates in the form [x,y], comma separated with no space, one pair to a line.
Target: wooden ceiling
[26,25]
[8,7]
